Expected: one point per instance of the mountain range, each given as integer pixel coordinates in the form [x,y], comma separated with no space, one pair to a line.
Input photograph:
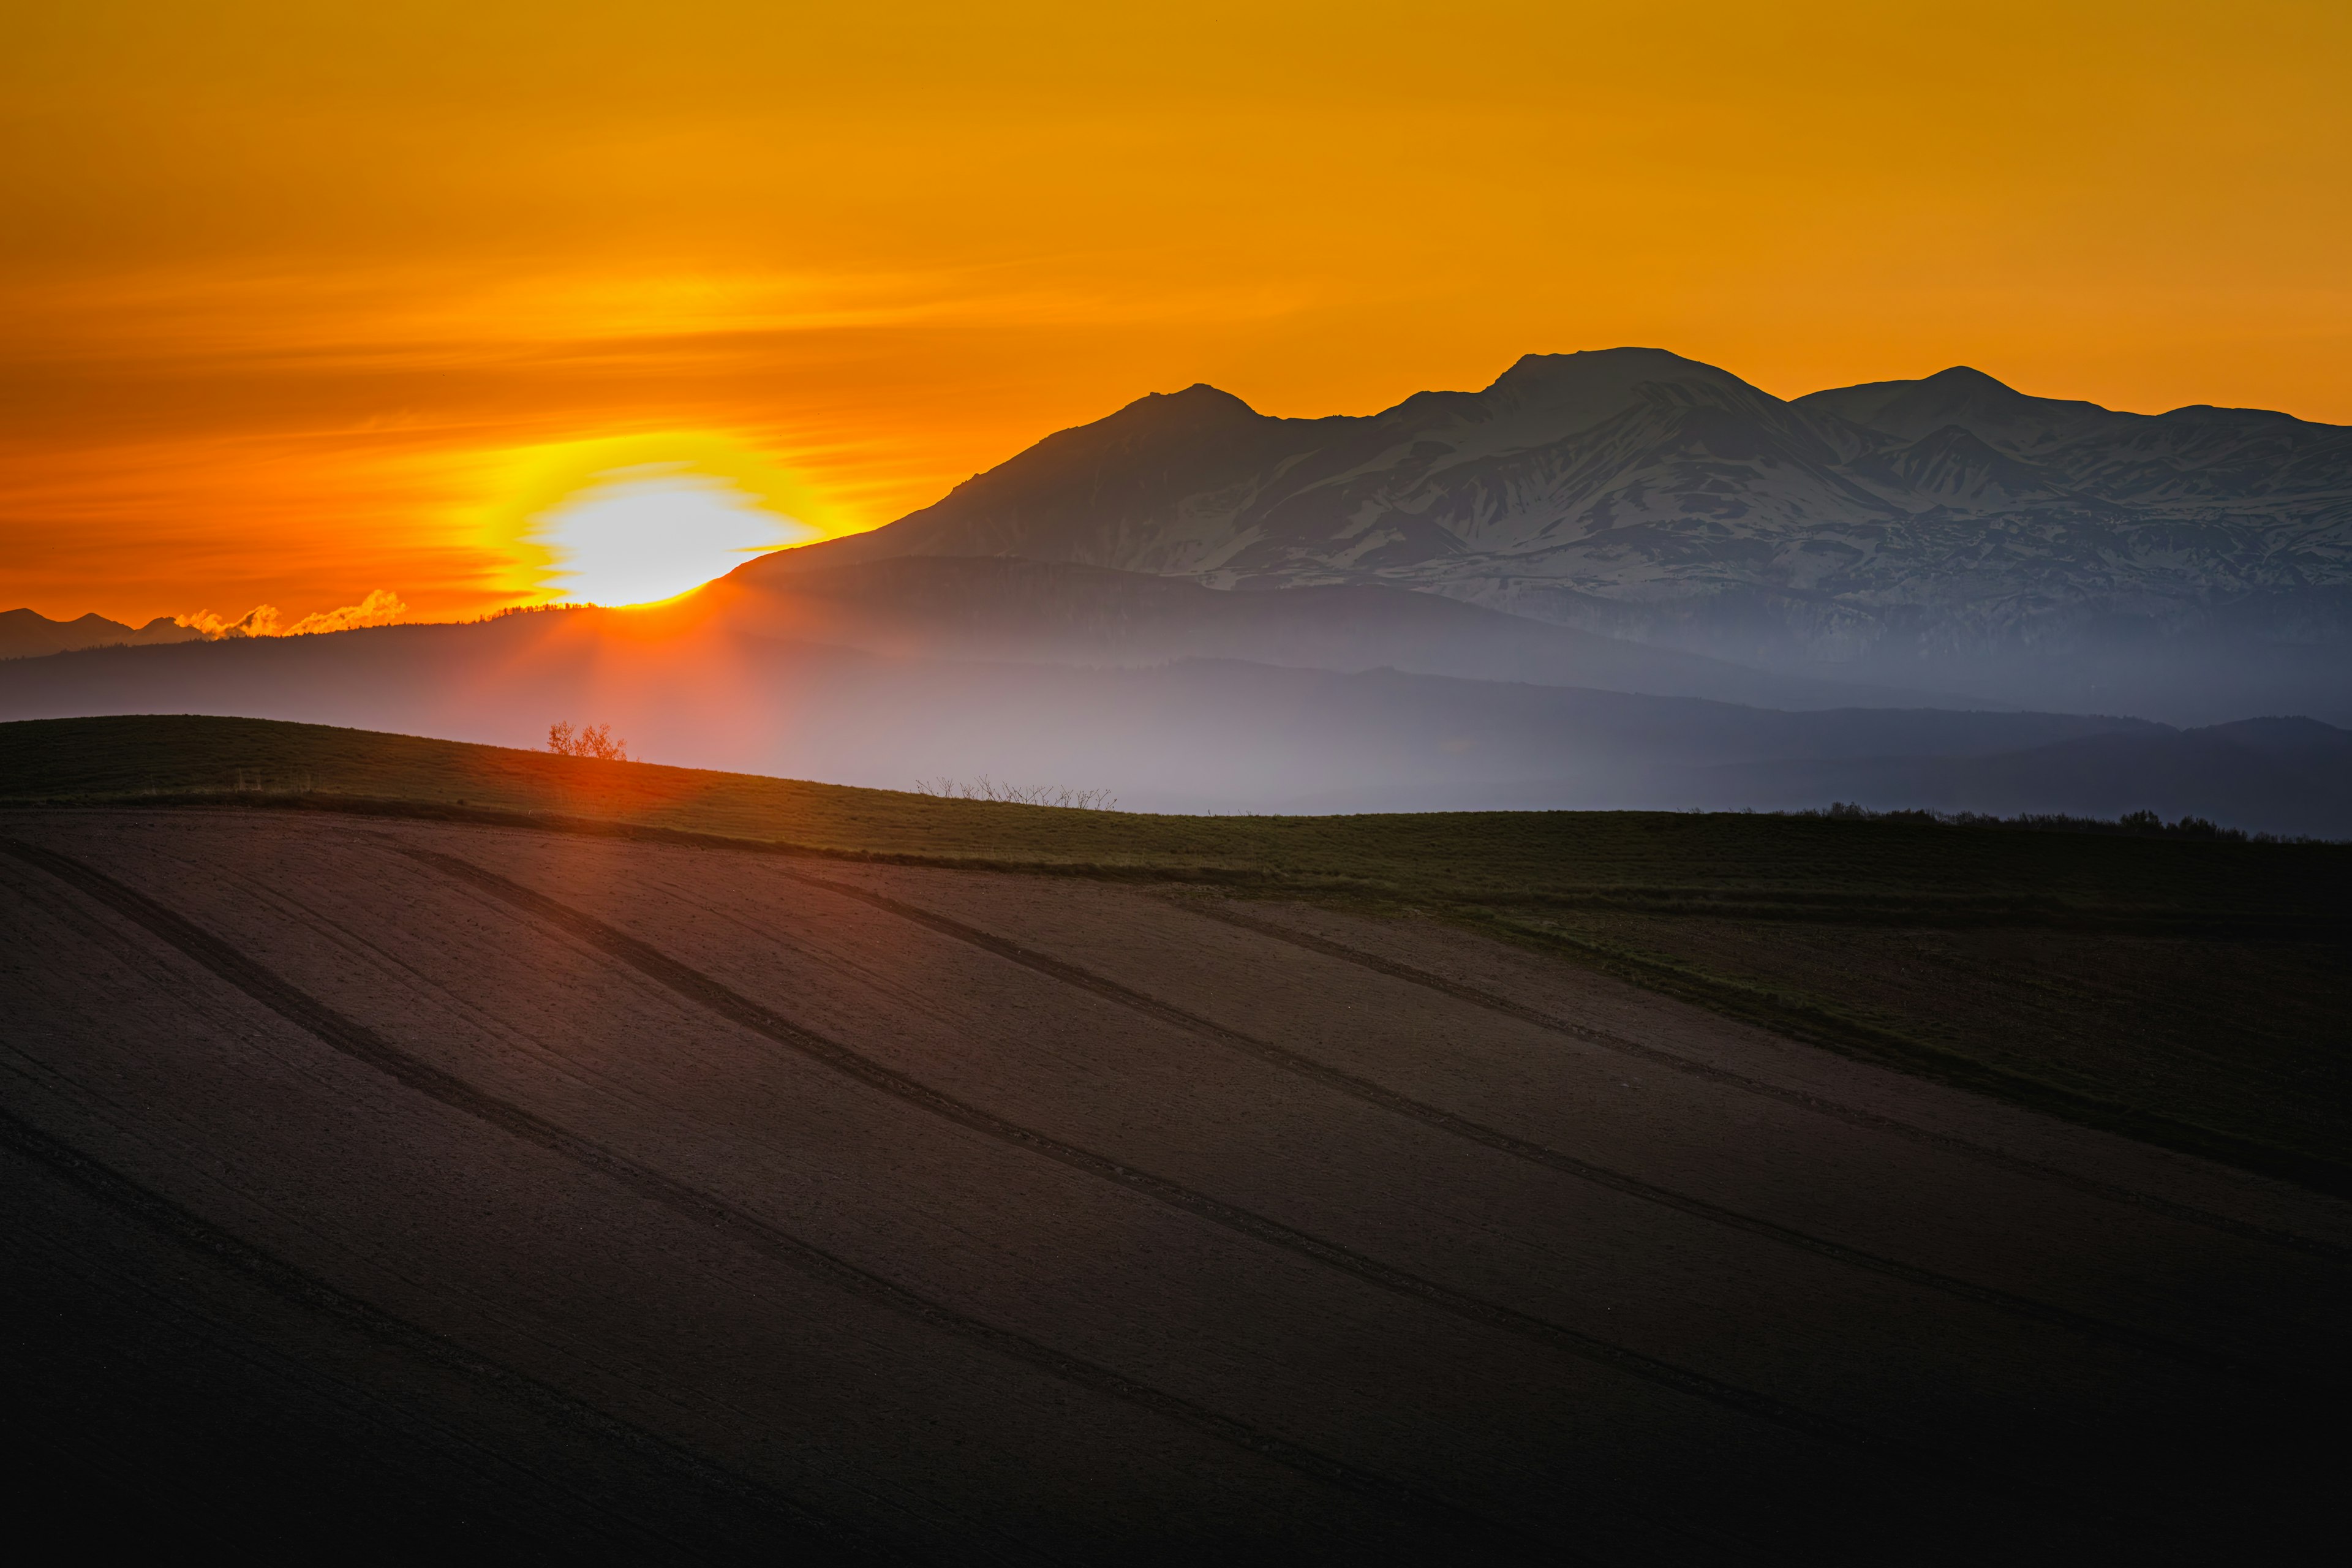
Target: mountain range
[1611,579]
[1949,534]
[27,633]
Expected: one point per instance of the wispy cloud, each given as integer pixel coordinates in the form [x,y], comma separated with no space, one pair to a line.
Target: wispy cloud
[380,607]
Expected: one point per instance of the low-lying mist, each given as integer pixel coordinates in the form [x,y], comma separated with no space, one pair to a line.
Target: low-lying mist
[1198,734]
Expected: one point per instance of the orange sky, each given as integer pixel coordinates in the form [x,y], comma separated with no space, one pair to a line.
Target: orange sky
[296,295]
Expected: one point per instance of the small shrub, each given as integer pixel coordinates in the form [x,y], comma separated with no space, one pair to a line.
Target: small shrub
[588,740]
[986,788]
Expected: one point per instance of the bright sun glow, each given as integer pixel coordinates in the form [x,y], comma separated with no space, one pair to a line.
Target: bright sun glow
[643,532]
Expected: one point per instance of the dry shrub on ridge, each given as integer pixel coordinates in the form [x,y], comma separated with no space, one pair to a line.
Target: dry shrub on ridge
[588,740]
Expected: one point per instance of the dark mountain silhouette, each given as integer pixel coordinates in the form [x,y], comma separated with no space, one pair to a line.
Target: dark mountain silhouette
[25,634]
[1951,533]
[1965,399]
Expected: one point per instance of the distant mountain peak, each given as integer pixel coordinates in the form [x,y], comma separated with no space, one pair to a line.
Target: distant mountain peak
[1197,404]
[1969,377]
[1616,361]
[1960,394]
[1566,393]
[2210,414]
[1602,372]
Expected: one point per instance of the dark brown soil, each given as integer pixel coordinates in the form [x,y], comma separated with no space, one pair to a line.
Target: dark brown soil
[2251,1039]
[694,1203]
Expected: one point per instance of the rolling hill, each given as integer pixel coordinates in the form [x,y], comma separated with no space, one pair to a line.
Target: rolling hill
[2190,919]
[388,1171]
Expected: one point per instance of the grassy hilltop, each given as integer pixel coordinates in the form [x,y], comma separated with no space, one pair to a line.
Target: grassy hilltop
[2194,992]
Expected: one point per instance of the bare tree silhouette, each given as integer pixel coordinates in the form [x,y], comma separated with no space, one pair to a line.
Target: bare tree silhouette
[588,740]
[986,788]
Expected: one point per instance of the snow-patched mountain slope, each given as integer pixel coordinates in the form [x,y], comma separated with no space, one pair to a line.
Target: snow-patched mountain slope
[1635,491]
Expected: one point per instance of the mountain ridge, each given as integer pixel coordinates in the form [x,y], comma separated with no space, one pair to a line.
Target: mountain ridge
[28,634]
[1951,534]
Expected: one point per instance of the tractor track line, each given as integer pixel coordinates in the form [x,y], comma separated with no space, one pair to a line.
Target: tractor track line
[47,1078]
[303,1289]
[1852,1115]
[740,1009]
[363,1044]
[1389,1100]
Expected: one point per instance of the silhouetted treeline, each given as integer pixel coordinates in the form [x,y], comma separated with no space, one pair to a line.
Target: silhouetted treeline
[2131,825]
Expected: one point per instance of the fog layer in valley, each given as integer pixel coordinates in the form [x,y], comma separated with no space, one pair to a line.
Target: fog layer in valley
[1343,700]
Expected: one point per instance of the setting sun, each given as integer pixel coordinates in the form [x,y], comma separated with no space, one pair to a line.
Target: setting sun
[638,519]
[654,531]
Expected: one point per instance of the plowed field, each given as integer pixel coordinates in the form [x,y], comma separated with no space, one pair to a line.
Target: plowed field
[437,1183]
